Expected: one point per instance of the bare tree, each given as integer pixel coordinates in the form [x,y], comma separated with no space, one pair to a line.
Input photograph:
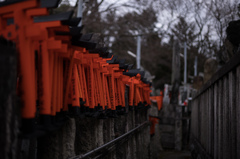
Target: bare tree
[222,12]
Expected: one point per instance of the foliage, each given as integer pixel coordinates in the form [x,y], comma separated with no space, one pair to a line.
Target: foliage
[200,23]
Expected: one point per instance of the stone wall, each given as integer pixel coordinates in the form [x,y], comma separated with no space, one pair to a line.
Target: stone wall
[81,135]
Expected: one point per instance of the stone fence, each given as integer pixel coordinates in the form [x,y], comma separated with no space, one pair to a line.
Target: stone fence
[215,118]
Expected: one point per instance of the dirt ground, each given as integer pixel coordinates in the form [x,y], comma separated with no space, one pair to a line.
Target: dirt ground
[171,154]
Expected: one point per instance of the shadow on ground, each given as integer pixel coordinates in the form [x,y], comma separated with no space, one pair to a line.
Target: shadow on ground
[175,154]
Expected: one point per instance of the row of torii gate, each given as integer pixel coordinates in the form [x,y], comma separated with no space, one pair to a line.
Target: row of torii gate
[61,71]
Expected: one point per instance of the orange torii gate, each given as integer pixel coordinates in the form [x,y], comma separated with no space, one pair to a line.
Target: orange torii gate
[61,71]
[158,99]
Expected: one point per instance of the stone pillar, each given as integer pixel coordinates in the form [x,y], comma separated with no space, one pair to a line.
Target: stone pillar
[174,97]
[58,144]
[86,136]
[68,138]
[120,129]
[178,128]
[9,111]
[108,135]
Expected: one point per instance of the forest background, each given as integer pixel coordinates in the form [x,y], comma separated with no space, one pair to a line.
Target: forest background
[200,23]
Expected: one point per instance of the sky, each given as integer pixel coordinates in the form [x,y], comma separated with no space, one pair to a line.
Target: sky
[165,16]
[106,3]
